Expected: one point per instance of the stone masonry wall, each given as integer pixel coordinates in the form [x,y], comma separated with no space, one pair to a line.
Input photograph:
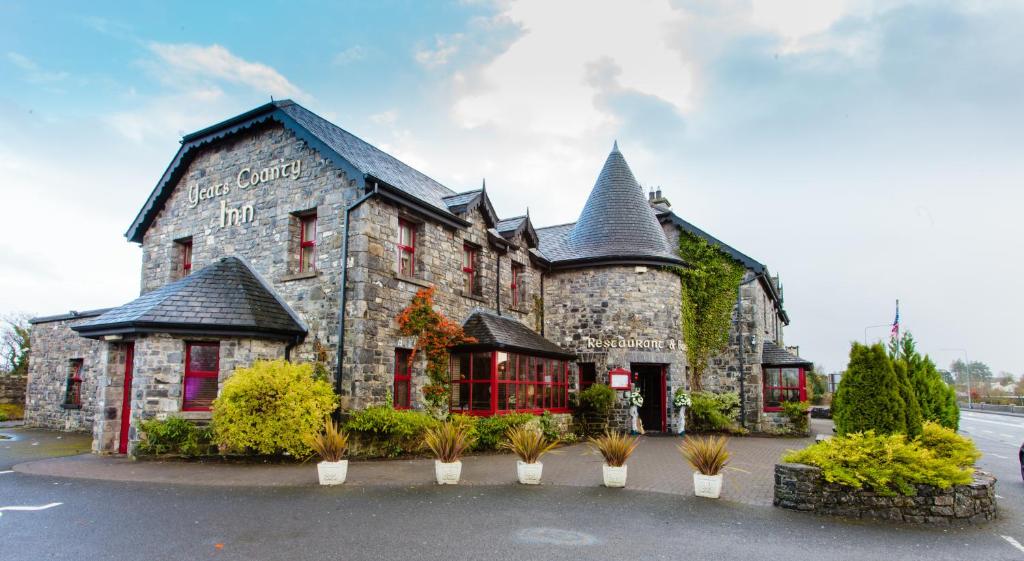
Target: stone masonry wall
[613,303]
[12,388]
[801,487]
[377,293]
[54,346]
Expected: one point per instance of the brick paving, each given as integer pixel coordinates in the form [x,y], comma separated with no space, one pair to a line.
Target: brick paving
[656,467]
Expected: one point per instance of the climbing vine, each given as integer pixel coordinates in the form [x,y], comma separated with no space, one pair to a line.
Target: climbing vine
[709,294]
[434,335]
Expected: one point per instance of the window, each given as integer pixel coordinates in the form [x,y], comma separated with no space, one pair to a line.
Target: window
[518,285]
[783,384]
[490,382]
[588,374]
[307,243]
[470,283]
[403,379]
[202,368]
[73,390]
[406,248]
[185,257]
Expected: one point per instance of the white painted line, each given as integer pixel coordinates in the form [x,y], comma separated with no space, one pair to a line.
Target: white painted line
[999,496]
[998,456]
[1014,425]
[988,431]
[29,508]
[1004,435]
[1014,543]
[6,471]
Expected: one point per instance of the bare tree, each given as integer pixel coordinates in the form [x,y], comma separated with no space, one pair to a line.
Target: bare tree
[15,344]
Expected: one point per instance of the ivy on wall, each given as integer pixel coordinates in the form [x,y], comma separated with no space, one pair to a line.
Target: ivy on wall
[434,335]
[709,294]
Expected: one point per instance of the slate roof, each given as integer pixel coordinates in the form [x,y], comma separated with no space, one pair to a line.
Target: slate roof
[224,298]
[617,224]
[510,224]
[498,332]
[774,355]
[358,158]
[459,202]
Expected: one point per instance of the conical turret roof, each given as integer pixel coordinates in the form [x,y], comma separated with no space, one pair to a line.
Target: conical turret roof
[617,223]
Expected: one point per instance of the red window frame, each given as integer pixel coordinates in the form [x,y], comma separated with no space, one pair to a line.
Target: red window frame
[73,389]
[205,374]
[186,258]
[772,382]
[588,374]
[403,373]
[306,241]
[469,284]
[517,384]
[518,286]
[406,249]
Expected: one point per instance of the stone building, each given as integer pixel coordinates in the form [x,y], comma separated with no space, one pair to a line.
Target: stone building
[259,221]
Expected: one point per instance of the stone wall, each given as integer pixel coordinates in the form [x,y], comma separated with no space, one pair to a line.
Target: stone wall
[12,388]
[801,487]
[617,303]
[54,347]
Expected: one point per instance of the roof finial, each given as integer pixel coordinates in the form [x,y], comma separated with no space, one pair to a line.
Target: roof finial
[615,146]
[527,212]
[483,185]
[271,98]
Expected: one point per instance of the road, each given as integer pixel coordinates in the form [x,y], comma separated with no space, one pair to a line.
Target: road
[115,520]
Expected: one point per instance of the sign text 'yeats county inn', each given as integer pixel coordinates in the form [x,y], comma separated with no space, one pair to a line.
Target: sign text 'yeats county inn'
[247,177]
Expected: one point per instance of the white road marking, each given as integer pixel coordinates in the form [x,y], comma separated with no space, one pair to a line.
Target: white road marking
[998,456]
[1004,435]
[991,422]
[6,471]
[1014,543]
[29,508]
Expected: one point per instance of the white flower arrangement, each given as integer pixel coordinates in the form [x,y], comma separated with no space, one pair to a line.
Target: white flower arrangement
[635,399]
[681,399]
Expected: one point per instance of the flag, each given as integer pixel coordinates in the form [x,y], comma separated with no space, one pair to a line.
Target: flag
[895,333]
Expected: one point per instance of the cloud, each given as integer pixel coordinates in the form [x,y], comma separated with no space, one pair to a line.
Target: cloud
[214,62]
[352,54]
[33,72]
[445,47]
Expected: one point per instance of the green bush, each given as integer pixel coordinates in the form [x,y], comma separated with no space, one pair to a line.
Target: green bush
[911,409]
[868,397]
[271,407]
[11,412]
[175,436]
[491,430]
[598,399]
[946,443]
[713,411]
[382,431]
[888,464]
[796,412]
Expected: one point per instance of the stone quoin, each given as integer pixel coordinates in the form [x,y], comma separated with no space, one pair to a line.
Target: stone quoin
[277,234]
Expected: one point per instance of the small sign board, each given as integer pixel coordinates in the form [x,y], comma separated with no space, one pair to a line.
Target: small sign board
[619,379]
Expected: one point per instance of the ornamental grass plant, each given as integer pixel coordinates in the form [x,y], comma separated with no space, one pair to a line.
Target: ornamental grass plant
[707,454]
[528,443]
[615,447]
[448,441]
[331,444]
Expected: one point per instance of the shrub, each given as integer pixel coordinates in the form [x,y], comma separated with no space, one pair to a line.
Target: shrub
[946,443]
[175,436]
[11,412]
[706,454]
[886,463]
[911,409]
[528,443]
[598,399]
[796,412]
[615,447]
[331,444]
[448,441]
[385,432]
[270,408]
[491,431]
[868,397]
[713,412]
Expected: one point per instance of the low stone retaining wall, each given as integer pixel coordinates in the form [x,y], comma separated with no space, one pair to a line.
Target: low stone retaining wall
[801,487]
[12,389]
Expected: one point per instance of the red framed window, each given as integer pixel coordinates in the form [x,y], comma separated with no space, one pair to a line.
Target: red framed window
[406,248]
[73,389]
[403,379]
[469,278]
[783,384]
[588,374]
[185,250]
[518,285]
[492,382]
[307,243]
[202,370]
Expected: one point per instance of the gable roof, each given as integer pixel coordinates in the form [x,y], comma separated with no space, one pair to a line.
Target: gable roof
[360,160]
[462,204]
[498,332]
[774,355]
[224,298]
[512,227]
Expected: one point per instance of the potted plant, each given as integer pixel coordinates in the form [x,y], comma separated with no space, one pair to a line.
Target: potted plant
[616,447]
[448,442]
[331,445]
[681,400]
[529,444]
[708,456]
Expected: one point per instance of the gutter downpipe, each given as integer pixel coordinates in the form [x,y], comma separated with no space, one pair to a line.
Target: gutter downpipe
[341,296]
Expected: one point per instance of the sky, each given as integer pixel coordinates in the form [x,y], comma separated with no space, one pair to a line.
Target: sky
[864,150]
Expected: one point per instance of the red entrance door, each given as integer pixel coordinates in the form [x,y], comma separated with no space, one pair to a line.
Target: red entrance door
[126,401]
[650,380]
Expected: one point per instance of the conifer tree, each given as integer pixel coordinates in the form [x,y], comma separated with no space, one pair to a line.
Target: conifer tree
[869,397]
[911,410]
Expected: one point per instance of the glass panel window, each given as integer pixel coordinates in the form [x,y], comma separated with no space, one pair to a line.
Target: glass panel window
[307,243]
[783,384]
[202,366]
[403,379]
[406,248]
[470,282]
[481,366]
[518,285]
[184,253]
[73,389]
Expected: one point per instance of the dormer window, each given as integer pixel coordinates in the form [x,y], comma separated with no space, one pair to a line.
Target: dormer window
[406,248]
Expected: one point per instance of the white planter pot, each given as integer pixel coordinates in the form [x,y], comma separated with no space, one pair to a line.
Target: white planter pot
[709,486]
[332,473]
[447,473]
[529,474]
[614,476]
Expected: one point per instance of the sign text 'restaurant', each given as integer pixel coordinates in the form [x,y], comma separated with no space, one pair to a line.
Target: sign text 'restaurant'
[633,343]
